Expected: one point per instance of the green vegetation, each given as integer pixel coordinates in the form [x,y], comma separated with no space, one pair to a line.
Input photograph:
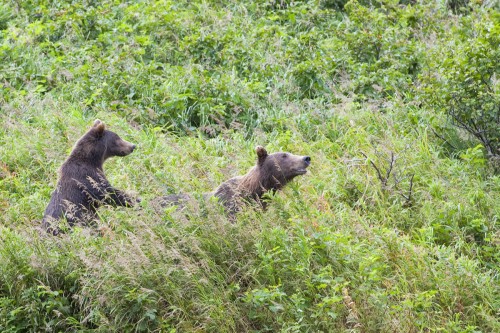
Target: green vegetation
[394,229]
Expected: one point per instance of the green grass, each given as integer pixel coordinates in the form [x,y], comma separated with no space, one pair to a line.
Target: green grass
[197,85]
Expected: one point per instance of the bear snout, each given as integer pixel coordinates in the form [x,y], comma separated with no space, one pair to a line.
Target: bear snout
[125,148]
[130,148]
[307,159]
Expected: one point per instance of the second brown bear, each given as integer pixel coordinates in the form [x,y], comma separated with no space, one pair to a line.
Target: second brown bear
[271,173]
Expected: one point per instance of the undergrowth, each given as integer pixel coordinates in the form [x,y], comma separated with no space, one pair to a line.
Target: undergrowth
[393,229]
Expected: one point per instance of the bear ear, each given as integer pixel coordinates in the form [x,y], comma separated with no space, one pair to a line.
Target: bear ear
[99,127]
[97,122]
[261,154]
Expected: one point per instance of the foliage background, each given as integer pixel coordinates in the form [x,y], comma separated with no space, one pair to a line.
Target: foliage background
[197,84]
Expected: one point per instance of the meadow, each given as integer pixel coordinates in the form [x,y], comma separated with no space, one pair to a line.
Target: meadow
[395,227]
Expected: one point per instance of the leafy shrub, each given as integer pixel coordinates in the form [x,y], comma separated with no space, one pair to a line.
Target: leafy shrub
[468,89]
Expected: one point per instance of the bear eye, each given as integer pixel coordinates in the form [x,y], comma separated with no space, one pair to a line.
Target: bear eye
[284,156]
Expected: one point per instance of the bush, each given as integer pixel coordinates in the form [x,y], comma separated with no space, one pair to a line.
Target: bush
[468,88]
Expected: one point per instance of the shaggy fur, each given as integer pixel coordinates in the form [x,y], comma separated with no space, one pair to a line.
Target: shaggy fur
[271,173]
[82,185]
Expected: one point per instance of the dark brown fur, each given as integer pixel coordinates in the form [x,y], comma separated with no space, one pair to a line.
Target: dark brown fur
[82,185]
[271,173]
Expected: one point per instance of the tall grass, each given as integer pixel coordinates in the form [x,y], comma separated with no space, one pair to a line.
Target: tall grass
[197,85]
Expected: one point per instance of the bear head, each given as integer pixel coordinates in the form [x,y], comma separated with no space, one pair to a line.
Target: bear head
[281,167]
[98,144]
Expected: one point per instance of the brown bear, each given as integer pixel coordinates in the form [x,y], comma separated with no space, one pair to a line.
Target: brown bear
[82,185]
[271,173]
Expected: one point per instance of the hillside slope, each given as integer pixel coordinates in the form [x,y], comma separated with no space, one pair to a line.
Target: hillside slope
[395,228]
